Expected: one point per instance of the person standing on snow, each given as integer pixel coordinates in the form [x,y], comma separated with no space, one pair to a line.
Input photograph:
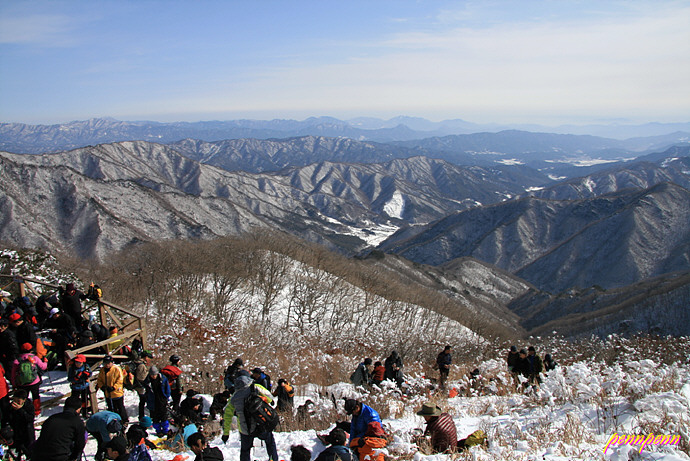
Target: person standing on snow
[243,387]
[141,362]
[78,374]
[286,395]
[535,367]
[25,374]
[157,396]
[173,372]
[111,380]
[444,360]
[513,362]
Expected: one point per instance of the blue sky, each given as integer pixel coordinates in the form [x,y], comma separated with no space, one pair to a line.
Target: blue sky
[547,62]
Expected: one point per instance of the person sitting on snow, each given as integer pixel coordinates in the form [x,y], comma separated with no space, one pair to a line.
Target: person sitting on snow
[440,428]
[368,448]
[337,449]
[199,446]
[362,415]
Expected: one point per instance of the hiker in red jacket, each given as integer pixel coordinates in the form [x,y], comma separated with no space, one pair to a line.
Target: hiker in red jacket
[173,372]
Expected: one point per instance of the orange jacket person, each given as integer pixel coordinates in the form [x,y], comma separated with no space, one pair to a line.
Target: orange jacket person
[369,447]
[111,379]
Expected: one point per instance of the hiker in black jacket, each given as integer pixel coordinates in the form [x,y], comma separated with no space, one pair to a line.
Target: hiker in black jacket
[62,435]
[9,347]
[20,417]
[394,367]
[549,363]
[444,360]
[231,373]
[70,302]
[261,378]
[362,375]
[199,446]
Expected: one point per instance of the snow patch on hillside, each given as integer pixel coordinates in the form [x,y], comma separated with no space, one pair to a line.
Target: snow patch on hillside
[373,235]
[510,161]
[395,206]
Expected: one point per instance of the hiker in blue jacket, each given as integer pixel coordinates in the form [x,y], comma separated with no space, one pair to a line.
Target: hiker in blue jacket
[157,397]
[101,425]
[362,415]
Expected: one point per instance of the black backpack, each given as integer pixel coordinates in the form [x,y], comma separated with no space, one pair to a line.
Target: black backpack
[259,415]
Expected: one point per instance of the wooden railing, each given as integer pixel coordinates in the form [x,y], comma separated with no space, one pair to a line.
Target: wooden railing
[131,325]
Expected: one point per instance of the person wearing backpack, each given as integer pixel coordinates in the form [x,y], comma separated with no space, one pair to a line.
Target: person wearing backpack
[102,426]
[25,374]
[78,375]
[246,393]
[286,395]
[173,372]
[140,371]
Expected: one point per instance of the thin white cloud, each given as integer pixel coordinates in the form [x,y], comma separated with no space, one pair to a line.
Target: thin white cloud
[615,65]
[48,30]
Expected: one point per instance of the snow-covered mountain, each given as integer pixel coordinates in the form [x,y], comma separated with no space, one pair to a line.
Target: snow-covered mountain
[98,199]
[612,240]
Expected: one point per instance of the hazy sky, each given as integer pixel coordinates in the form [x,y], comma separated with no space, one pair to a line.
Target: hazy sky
[486,61]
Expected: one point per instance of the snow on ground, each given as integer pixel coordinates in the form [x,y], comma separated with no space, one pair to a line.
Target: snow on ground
[374,234]
[572,417]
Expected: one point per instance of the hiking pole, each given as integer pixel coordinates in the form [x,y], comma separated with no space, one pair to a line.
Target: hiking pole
[50,380]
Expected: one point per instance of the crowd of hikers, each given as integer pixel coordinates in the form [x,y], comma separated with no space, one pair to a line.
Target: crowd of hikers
[249,400]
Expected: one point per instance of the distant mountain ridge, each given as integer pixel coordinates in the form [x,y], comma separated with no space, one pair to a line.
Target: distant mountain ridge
[33,139]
